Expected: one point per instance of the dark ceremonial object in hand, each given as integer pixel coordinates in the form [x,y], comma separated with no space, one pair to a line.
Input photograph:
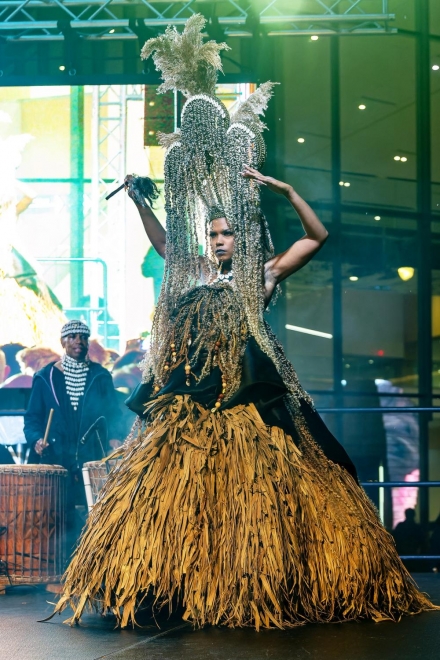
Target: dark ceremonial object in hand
[141,188]
[101,421]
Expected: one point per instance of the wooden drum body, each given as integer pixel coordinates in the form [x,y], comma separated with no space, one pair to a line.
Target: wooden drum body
[33,511]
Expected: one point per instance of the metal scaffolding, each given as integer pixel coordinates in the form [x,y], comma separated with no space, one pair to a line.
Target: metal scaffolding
[105,223]
[52,20]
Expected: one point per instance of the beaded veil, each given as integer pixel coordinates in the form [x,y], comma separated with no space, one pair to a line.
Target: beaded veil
[203,180]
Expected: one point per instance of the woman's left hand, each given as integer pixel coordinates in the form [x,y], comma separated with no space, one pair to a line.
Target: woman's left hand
[276,186]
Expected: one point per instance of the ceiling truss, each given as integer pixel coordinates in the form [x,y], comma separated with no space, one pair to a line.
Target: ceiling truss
[52,20]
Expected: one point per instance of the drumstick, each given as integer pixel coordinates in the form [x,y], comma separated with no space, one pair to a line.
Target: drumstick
[115,191]
[46,434]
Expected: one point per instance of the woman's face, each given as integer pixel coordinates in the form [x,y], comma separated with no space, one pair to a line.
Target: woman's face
[222,240]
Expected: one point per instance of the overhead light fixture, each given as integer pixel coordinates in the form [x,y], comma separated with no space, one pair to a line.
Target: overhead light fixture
[62,67]
[301,140]
[150,132]
[362,106]
[396,157]
[111,31]
[314,37]
[435,67]
[353,278]
[346,184]
[406,273]
[151,103]
[377,217]
[403,159]
[341,183]
[308,331]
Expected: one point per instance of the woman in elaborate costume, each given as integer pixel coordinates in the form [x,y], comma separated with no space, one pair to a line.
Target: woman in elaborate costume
[231,496]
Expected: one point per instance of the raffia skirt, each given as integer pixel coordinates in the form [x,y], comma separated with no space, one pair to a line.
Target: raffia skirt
[242,527]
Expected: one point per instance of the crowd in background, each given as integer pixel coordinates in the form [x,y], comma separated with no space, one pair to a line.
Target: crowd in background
[18,363]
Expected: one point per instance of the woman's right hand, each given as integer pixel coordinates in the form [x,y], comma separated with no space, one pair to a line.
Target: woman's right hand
[127,182]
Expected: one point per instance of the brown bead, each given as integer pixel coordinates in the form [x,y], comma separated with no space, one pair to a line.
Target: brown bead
[221,396]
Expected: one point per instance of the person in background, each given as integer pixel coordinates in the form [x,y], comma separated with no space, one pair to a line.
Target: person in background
[4,368]
[5,456]
[10,352]
[127,378]
[30,361]
[130,357]
[99,354]
[410,539]
[80,392]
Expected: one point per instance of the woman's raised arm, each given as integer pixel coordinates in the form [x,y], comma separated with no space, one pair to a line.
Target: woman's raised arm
[297,255]
[154,230]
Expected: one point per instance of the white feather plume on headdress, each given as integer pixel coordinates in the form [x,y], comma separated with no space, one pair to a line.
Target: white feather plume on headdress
[254,105]
[185,62]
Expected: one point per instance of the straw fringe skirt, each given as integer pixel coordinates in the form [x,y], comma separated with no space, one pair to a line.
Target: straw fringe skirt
[239,524]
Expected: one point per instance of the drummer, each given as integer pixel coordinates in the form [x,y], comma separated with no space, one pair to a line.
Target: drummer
[80,392]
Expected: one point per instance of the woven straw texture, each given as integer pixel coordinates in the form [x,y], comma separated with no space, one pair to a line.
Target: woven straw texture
[232,520]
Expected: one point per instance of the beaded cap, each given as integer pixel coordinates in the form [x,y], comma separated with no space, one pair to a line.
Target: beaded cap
[75,327]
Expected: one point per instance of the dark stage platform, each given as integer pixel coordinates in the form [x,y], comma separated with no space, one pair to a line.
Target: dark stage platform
[23,638]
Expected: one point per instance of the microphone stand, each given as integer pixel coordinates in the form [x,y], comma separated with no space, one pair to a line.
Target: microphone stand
[107,467]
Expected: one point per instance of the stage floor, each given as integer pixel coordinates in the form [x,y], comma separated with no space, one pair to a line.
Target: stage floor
[23,638]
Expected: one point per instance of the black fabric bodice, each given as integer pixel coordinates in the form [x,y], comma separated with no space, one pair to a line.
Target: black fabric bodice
[261,385]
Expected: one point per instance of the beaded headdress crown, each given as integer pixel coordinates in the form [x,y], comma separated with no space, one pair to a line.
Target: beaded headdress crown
[203,177]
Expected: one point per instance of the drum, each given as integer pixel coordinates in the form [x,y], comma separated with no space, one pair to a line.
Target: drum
[94,475]
[32,523]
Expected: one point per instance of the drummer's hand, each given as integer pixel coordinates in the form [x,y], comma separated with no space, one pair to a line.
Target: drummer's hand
[276,186]
[40,446]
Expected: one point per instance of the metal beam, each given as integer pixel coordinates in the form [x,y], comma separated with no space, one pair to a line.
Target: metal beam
[109,19]
[77,194]
[424,284]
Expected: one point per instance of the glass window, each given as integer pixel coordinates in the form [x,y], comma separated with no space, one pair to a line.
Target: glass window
[378,137]
[435,123]
[434,17]
[303,138]
[309,320]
